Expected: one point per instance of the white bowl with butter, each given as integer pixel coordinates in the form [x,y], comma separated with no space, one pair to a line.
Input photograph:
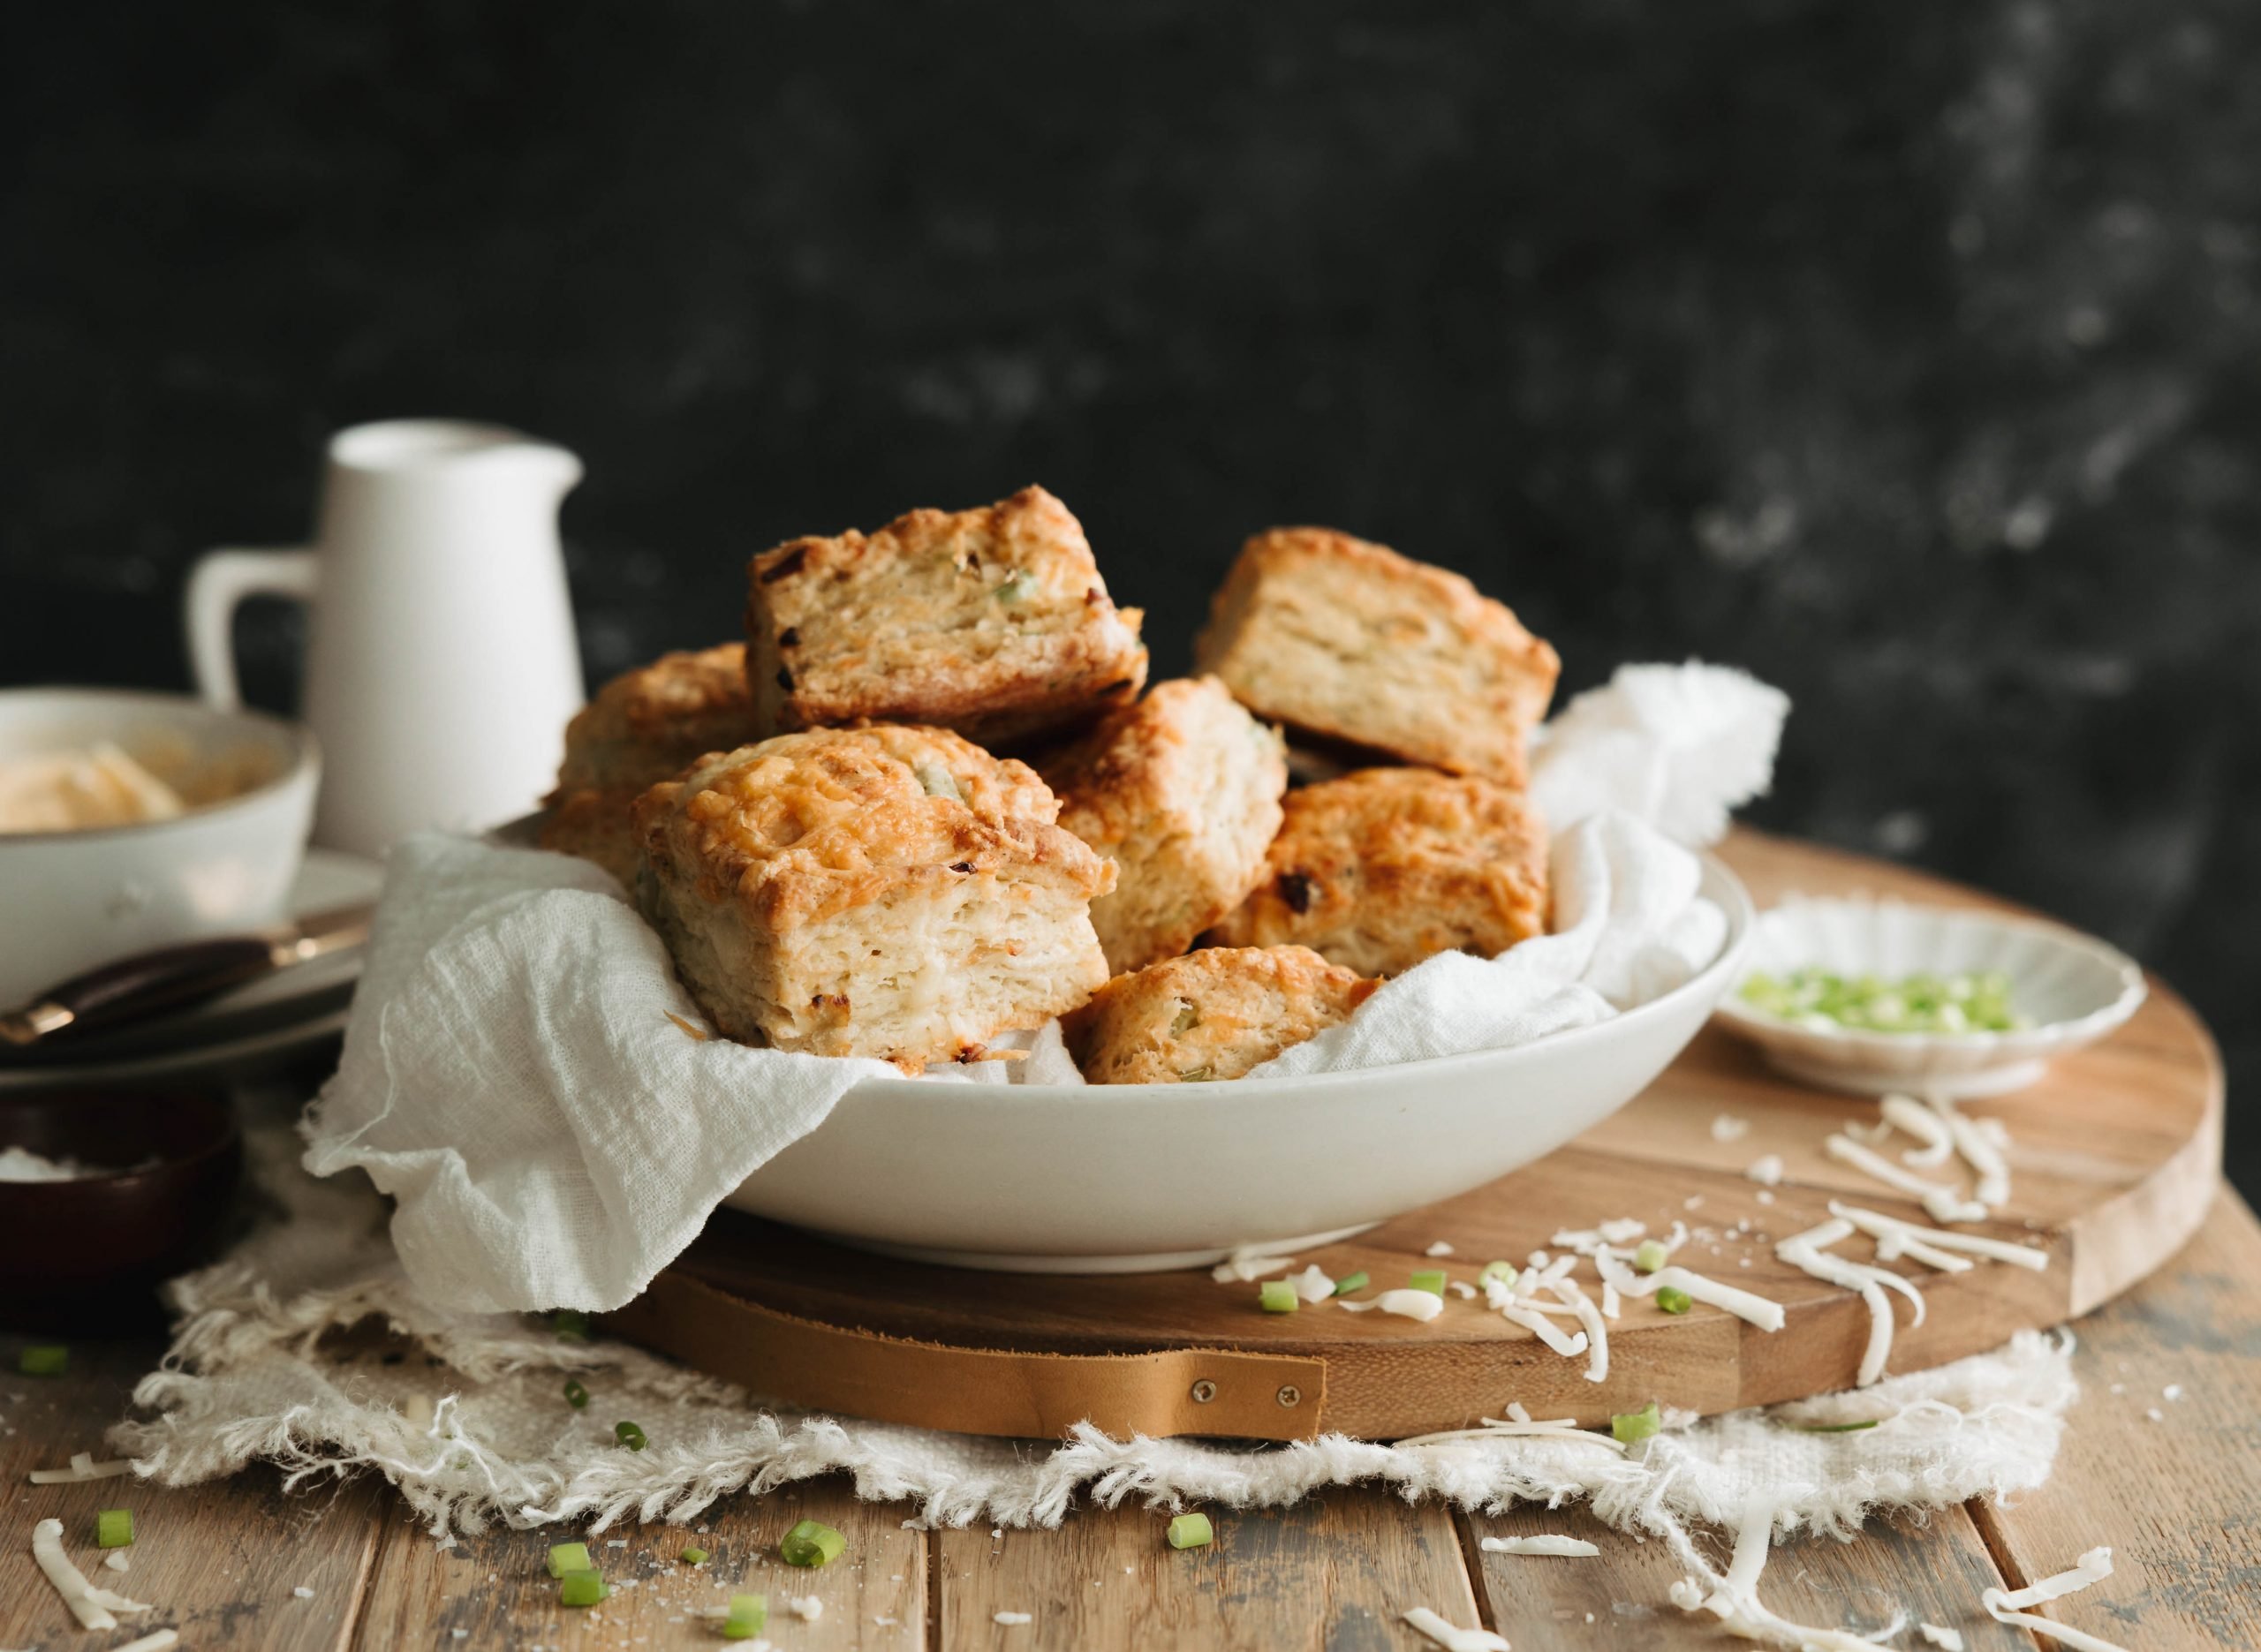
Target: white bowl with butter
[131,822]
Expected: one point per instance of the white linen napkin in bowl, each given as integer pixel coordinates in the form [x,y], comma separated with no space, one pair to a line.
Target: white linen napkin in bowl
[527,1078]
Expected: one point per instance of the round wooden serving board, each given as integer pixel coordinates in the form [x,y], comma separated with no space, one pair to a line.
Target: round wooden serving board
[2114,1159]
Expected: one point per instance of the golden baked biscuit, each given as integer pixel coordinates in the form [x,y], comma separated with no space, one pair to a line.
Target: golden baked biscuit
[1181,792]
[648,724]
[1209,1014]
[1355,643]
[991,622]
[593,823]
[887,892]
[1382,867]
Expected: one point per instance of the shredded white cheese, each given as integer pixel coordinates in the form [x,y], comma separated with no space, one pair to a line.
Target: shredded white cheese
[304,1594]
[1572,1548]
[1803,1252]
[1944,1202]
[83,1466]
[1734,1601]
[1242,1270]
[1516,1413]
[90,1605]
[1980,1150]
[1876,1223]
[1462,1289]
[2008,1605]
[1311,1285]
[1767,1170]
[807,1608]
[1545,1329]
[1925,1126]
[1622,1230]
[1421,1305]
[1493,1430]
[1727,1128]
[1438,1248]
[1939,1635]
[156,1641]
[1596,1328]
[116,1560]
[1452,1639]
[1012,1620]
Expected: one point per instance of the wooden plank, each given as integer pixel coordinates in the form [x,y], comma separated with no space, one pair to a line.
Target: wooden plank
[1934,1572]
[1337,1571]
[219,1563]
[2174,1497]
[2113,1155]
[497,1591]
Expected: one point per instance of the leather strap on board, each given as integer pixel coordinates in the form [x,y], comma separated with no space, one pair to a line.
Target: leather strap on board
[974,1391]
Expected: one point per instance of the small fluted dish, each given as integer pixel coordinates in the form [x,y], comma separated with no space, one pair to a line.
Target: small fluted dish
[2069,988]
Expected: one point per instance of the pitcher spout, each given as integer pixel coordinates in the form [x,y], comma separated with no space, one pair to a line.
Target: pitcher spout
[408,447]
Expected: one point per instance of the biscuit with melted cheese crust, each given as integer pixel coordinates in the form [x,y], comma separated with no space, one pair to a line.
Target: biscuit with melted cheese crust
[648,725]
[1209,1014]
[1356,644]
[889,892]
[1181,792]
[1382,867]
[993,621]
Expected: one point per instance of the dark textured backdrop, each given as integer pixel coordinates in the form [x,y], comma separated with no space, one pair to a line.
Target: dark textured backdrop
[1909,354]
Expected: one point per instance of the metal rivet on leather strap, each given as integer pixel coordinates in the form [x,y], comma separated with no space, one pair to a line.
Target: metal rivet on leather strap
[1204,1391]
[1290,1394]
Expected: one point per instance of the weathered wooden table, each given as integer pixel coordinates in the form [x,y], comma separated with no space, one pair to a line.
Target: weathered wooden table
[2173,1485]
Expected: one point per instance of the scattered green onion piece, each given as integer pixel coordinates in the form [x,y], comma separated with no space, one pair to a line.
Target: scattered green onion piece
[810,1543]
[747,1615]
[1673,1299]
[1503,1271]
[1652,1255]
[565,1557]
[628,1435]
[1192,1531]
[576,1396]
[1632,1426]
[1277,1296]
[1429,1280]
[114,1528]
[584,1587]
[1835,1428]
[1016,585]
[570,1324]
[1356,1282]
[693,1557]
[51,1360]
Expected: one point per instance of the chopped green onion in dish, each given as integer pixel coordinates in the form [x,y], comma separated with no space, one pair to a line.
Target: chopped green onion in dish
[1835,1428]
[565,1557]
[694,1557]
[1652,1255]
[576,1396]
[114,1528]
[1673,1299]
[1192,1531]
[1277,1296]
[747,1615]
[1922,1002]
[50,1361]
[628,1435]
[1357,1281]
[810,1543]
[1503,1271]
[585,1587]
[1629,1427]
[1429,1280]
[570,1324]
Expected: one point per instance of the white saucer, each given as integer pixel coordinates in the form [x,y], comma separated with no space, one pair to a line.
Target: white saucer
[255,1026]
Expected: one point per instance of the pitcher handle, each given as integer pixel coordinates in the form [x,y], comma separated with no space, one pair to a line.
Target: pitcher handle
[220,581]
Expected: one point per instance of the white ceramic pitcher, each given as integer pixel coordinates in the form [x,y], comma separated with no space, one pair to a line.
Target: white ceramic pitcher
[440,662]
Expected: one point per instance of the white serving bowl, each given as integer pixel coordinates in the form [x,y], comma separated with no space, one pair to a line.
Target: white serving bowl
[2072,988]
[1129,1178]
[70,901]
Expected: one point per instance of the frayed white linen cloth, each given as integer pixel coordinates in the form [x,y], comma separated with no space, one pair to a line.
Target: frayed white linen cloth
[523,1076]
[478,1436]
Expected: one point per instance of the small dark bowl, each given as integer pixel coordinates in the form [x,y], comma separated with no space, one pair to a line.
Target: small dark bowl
[87,1250]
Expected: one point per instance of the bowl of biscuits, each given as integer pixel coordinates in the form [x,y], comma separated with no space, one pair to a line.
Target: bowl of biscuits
[929,810]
